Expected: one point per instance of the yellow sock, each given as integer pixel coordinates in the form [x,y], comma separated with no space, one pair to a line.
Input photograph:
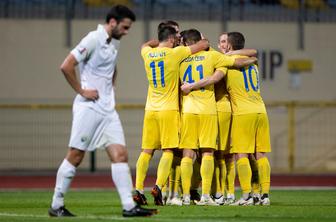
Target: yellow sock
[244,174]
[164,168]
[196,176]
[264,170]
[215,185]
[207,169]
[231,176]
[141,170]
[186,174]
[222,177]
[255,176]
[177,179]
[175,176]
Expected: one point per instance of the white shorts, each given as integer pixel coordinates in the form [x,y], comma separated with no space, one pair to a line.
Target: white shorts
[91,130]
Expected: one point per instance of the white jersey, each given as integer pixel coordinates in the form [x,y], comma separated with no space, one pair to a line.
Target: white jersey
[97,59]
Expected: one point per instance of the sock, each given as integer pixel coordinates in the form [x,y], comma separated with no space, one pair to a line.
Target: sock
[121,177]
[244,174]
[207,169]
[141,170]
[215,185]
[222,176]
[196,176]
[255,177]
[65,173]
[177,181]
[164,168]
[186,174]
[264,170]
[230,177]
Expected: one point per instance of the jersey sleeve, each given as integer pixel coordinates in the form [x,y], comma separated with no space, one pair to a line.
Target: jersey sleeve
[181,52]
[84,49]
[223,69]
[145,50]
[222,60]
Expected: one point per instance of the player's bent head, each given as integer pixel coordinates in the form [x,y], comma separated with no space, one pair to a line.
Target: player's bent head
[191,36]
[166,33]
[236,40]
[120,12]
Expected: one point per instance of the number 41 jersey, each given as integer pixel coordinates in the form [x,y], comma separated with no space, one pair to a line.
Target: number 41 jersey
[243,86]
[199,66]
[162,70]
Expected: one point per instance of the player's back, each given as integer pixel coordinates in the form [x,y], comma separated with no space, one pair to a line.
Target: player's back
[243,86]
[161,65]
[194,68]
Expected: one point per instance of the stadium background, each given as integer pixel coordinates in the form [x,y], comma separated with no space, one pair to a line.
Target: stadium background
[295,40]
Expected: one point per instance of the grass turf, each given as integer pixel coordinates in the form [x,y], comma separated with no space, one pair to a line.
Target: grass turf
[89,205]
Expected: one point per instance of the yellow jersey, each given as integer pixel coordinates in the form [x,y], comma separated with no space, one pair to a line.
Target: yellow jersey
[243,86]
[162,70]
[196,67]
[222,96]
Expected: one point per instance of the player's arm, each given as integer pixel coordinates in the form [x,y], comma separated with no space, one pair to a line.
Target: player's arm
[245,52]
[151,43]
[242,62]
[199,46]
[214,78]
[68,68]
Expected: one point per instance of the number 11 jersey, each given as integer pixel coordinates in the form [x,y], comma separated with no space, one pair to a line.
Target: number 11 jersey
[162,71]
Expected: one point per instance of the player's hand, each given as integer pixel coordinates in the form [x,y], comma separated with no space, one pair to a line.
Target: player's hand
[90,94]
[186,88]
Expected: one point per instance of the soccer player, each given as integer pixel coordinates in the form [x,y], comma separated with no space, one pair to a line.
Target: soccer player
[199,115]
[144,157]
[96,123]
[225,172]
[161,120]
[249,111]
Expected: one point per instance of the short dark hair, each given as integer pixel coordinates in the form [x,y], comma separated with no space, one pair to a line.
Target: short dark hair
[191,36]
[237,40]
[167,23]
[119,12]
[166,32]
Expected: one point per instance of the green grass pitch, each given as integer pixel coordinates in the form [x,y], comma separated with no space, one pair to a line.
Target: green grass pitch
[103,205]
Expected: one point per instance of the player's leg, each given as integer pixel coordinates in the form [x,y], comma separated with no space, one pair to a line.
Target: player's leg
[114,141]
[141,172]
[188,142]
[224,127]
[255,180]
[263,146]
[207,170]
[243,143]
[186,174]
[219,178]
[169,122]
[65,174]
[121,177]
[196,179]
[150,141]
[175,180]
[208,132]
[85,122]
[230,178]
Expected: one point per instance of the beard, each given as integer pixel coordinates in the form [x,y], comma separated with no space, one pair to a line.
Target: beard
[116,34]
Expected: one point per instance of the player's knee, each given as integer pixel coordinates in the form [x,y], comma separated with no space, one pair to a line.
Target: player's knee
[117,153]
[260,155]
[75,156]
